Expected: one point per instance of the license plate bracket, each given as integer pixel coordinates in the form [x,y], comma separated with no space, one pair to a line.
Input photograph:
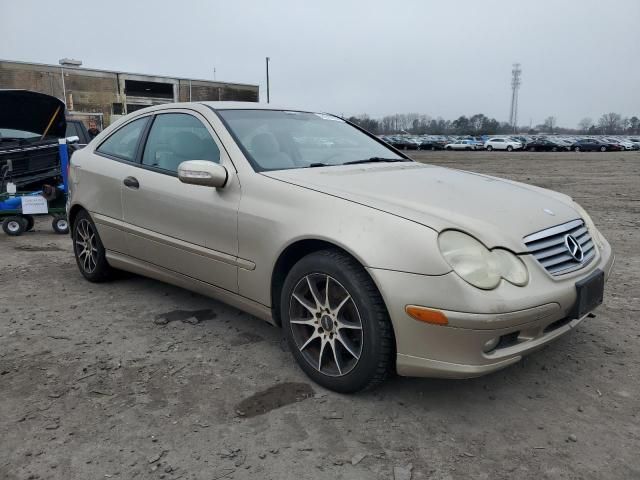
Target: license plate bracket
[590,294]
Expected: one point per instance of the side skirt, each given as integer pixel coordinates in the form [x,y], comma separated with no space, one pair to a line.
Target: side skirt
[130,264]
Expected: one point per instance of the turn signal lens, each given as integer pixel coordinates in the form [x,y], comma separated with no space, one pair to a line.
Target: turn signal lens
[427,315]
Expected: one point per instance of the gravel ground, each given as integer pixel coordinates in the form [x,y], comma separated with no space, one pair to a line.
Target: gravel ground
[138,379]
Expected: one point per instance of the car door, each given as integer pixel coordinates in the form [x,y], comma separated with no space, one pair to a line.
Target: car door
[188,229]
[104,169]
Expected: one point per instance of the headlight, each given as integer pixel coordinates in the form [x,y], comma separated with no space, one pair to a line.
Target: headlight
[479,266]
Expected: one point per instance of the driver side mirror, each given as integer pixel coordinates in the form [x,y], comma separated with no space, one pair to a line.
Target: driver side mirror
[203,172]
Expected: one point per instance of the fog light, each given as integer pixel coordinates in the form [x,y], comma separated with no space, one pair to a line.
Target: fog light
[490,344]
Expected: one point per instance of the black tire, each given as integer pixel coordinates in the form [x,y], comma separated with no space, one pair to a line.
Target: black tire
[449,148]
[489,148]
[433,149]
[101,270]
[30,222]
[532,149]
[376,341]
[60,224]
[14,225]
[509,148]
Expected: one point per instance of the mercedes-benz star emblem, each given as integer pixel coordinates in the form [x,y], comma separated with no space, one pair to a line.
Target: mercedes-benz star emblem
[574,248]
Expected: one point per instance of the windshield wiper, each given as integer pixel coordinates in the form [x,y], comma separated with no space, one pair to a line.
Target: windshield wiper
[375,160]
[317,164]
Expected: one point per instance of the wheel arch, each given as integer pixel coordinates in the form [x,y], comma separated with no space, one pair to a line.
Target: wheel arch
[73,213]
[290,255]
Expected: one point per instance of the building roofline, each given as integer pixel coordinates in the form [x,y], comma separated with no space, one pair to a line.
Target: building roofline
[67,67]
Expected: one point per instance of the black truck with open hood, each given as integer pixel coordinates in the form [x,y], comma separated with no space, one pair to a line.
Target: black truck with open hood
[30,125]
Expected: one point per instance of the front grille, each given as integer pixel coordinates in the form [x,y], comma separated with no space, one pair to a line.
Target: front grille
[549,247]
[31,159]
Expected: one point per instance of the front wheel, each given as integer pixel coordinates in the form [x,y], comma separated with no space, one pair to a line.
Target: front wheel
[449,148]
[88,249]
[509,148]
[576,149]
[336,323]
[603,149]
[489,148]
[14,225]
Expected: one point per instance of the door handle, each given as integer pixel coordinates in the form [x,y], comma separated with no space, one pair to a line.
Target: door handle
[131,182]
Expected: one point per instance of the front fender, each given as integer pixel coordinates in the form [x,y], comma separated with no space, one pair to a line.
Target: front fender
[275,214]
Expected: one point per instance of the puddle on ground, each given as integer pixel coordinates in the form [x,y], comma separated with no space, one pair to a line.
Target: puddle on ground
[274,397]
[38,248]
[245,338]
[186,316]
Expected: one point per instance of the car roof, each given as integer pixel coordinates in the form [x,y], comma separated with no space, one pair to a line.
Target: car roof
[251,106]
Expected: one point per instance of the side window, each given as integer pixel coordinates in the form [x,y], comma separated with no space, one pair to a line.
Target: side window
[71,130]
[124,142]
[175,138]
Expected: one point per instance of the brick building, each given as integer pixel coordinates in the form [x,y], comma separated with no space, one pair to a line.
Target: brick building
[106,95]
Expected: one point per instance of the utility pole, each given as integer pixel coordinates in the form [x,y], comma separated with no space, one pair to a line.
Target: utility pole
[515,86]
[267,79]
[71,63]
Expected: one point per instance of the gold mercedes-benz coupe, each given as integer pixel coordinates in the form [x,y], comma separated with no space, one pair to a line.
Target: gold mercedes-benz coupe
[370,262]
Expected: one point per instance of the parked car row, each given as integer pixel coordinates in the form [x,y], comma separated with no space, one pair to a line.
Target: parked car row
[539,143]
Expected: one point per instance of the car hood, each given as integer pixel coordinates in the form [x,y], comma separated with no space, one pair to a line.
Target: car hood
[32,112]
[498,212]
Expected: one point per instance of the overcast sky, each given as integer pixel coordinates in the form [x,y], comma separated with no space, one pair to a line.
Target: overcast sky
[580,58]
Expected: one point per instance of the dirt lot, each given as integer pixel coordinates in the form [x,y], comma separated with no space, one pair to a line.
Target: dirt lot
[137,379]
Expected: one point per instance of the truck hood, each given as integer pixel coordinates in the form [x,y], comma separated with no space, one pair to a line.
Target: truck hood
[496,211]
[32,112]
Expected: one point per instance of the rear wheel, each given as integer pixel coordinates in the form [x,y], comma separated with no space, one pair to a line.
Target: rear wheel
[576,149]
[88,250]
[336,323]
[449,148]
[14,225]
[603,148]
[433,148]
[509,148]
[489,148]
[532,149]
[60,225]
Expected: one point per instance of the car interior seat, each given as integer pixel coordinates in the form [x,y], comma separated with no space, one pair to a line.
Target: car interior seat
[182,146]
[266,151]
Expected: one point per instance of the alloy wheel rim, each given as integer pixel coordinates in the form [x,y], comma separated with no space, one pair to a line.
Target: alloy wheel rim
[86,246]
[326,324]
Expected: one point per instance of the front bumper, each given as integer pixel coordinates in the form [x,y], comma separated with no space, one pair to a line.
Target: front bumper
[523,319]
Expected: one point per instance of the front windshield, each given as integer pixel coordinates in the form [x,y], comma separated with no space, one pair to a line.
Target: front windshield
[278,139]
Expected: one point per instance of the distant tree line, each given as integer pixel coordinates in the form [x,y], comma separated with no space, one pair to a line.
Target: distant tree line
[480,124]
